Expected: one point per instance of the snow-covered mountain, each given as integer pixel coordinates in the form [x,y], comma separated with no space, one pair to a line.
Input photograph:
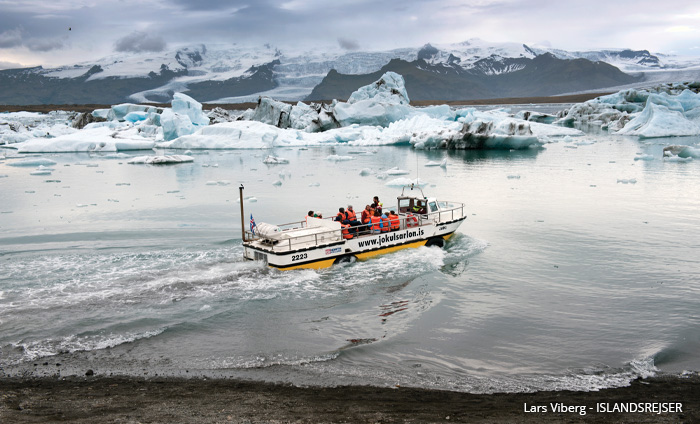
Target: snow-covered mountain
[234,73]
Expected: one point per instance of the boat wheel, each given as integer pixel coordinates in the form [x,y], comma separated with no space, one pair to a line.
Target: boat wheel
[437,241]
[347,259]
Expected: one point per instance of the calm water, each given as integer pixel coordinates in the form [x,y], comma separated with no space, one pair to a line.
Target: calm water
[577,268]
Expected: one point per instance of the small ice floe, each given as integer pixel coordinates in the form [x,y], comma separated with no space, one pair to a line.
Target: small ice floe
[52,181]
[272,160]
[642,156]
[160,159]
[627,180]
[315,185]
[123,184]
[675,153]
[404,181]
[442,164]
[396,171]
[277,183]
[513,177]
[116,156]
[81,205]
[33,162]
[365,172]
[40,172]
[252,199]
[3,176]
[113,200]
[338,158]
[223,182]
[584,143]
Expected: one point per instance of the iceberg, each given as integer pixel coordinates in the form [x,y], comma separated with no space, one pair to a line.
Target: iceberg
[160,159]
[662,111]
[404,181]
[33,162]
[272,160]
[184,118]
[102,139]
[380,103]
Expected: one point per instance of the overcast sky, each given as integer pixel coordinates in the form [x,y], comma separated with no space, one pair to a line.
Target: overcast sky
[36,32]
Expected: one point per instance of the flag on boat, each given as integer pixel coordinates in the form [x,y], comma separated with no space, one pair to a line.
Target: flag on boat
[252,224]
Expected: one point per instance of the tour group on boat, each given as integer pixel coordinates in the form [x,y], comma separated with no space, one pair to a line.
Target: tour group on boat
[318,242]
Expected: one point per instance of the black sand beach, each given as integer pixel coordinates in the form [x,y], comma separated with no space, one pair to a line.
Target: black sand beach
[128,400]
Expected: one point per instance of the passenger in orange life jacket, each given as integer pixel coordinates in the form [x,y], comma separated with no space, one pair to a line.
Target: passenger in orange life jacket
[351,218]
[366,215]
[375,222]
[394,221]
[341,215]
[310,215]
[344,227]
[385,224]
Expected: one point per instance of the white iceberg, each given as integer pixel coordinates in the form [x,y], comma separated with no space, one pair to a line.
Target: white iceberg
[33,162]
[160,159]
[272,160]
[380,103]
[184,118]
[658,120]
[102,139]
[663,111]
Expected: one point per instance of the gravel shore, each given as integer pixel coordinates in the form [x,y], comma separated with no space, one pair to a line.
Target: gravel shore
[130,400]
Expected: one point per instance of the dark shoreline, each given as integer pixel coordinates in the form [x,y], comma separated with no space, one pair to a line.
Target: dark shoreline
[121,399]
[574,98]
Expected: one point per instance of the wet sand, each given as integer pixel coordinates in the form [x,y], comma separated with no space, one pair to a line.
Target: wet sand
[130,400]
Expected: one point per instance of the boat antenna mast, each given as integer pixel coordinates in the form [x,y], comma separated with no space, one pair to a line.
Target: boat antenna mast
[240,200]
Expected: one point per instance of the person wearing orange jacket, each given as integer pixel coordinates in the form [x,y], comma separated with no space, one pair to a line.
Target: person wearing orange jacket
[351,219]
[384,223]
[394,221]
[375,221]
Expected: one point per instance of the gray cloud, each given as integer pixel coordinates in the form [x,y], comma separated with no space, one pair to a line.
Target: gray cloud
[140,42]
[11,38]
[348,44]
[44,45]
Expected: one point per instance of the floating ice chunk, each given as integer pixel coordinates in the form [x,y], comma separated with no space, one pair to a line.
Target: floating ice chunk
[252,199]
[431,163]
[396,171]
[40,172]
[223,182]
[211,183]
[644,157]
[272,160]
[160,159]
[338,158]
[660,121]
[315,184]
[513,177]
[681,151]
[120,111]
[185,105]
[678,159]
[33,162]
[277,183]
[404,181]
[365,172]
[101,139]
[443,164]
[627,180]
[379,103]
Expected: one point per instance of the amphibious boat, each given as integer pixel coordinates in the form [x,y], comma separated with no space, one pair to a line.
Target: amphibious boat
[319,243]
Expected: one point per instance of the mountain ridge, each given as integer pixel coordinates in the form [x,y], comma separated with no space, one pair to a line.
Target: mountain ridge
[232,73]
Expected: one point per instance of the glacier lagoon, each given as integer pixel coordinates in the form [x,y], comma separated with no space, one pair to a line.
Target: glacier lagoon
[576,268]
